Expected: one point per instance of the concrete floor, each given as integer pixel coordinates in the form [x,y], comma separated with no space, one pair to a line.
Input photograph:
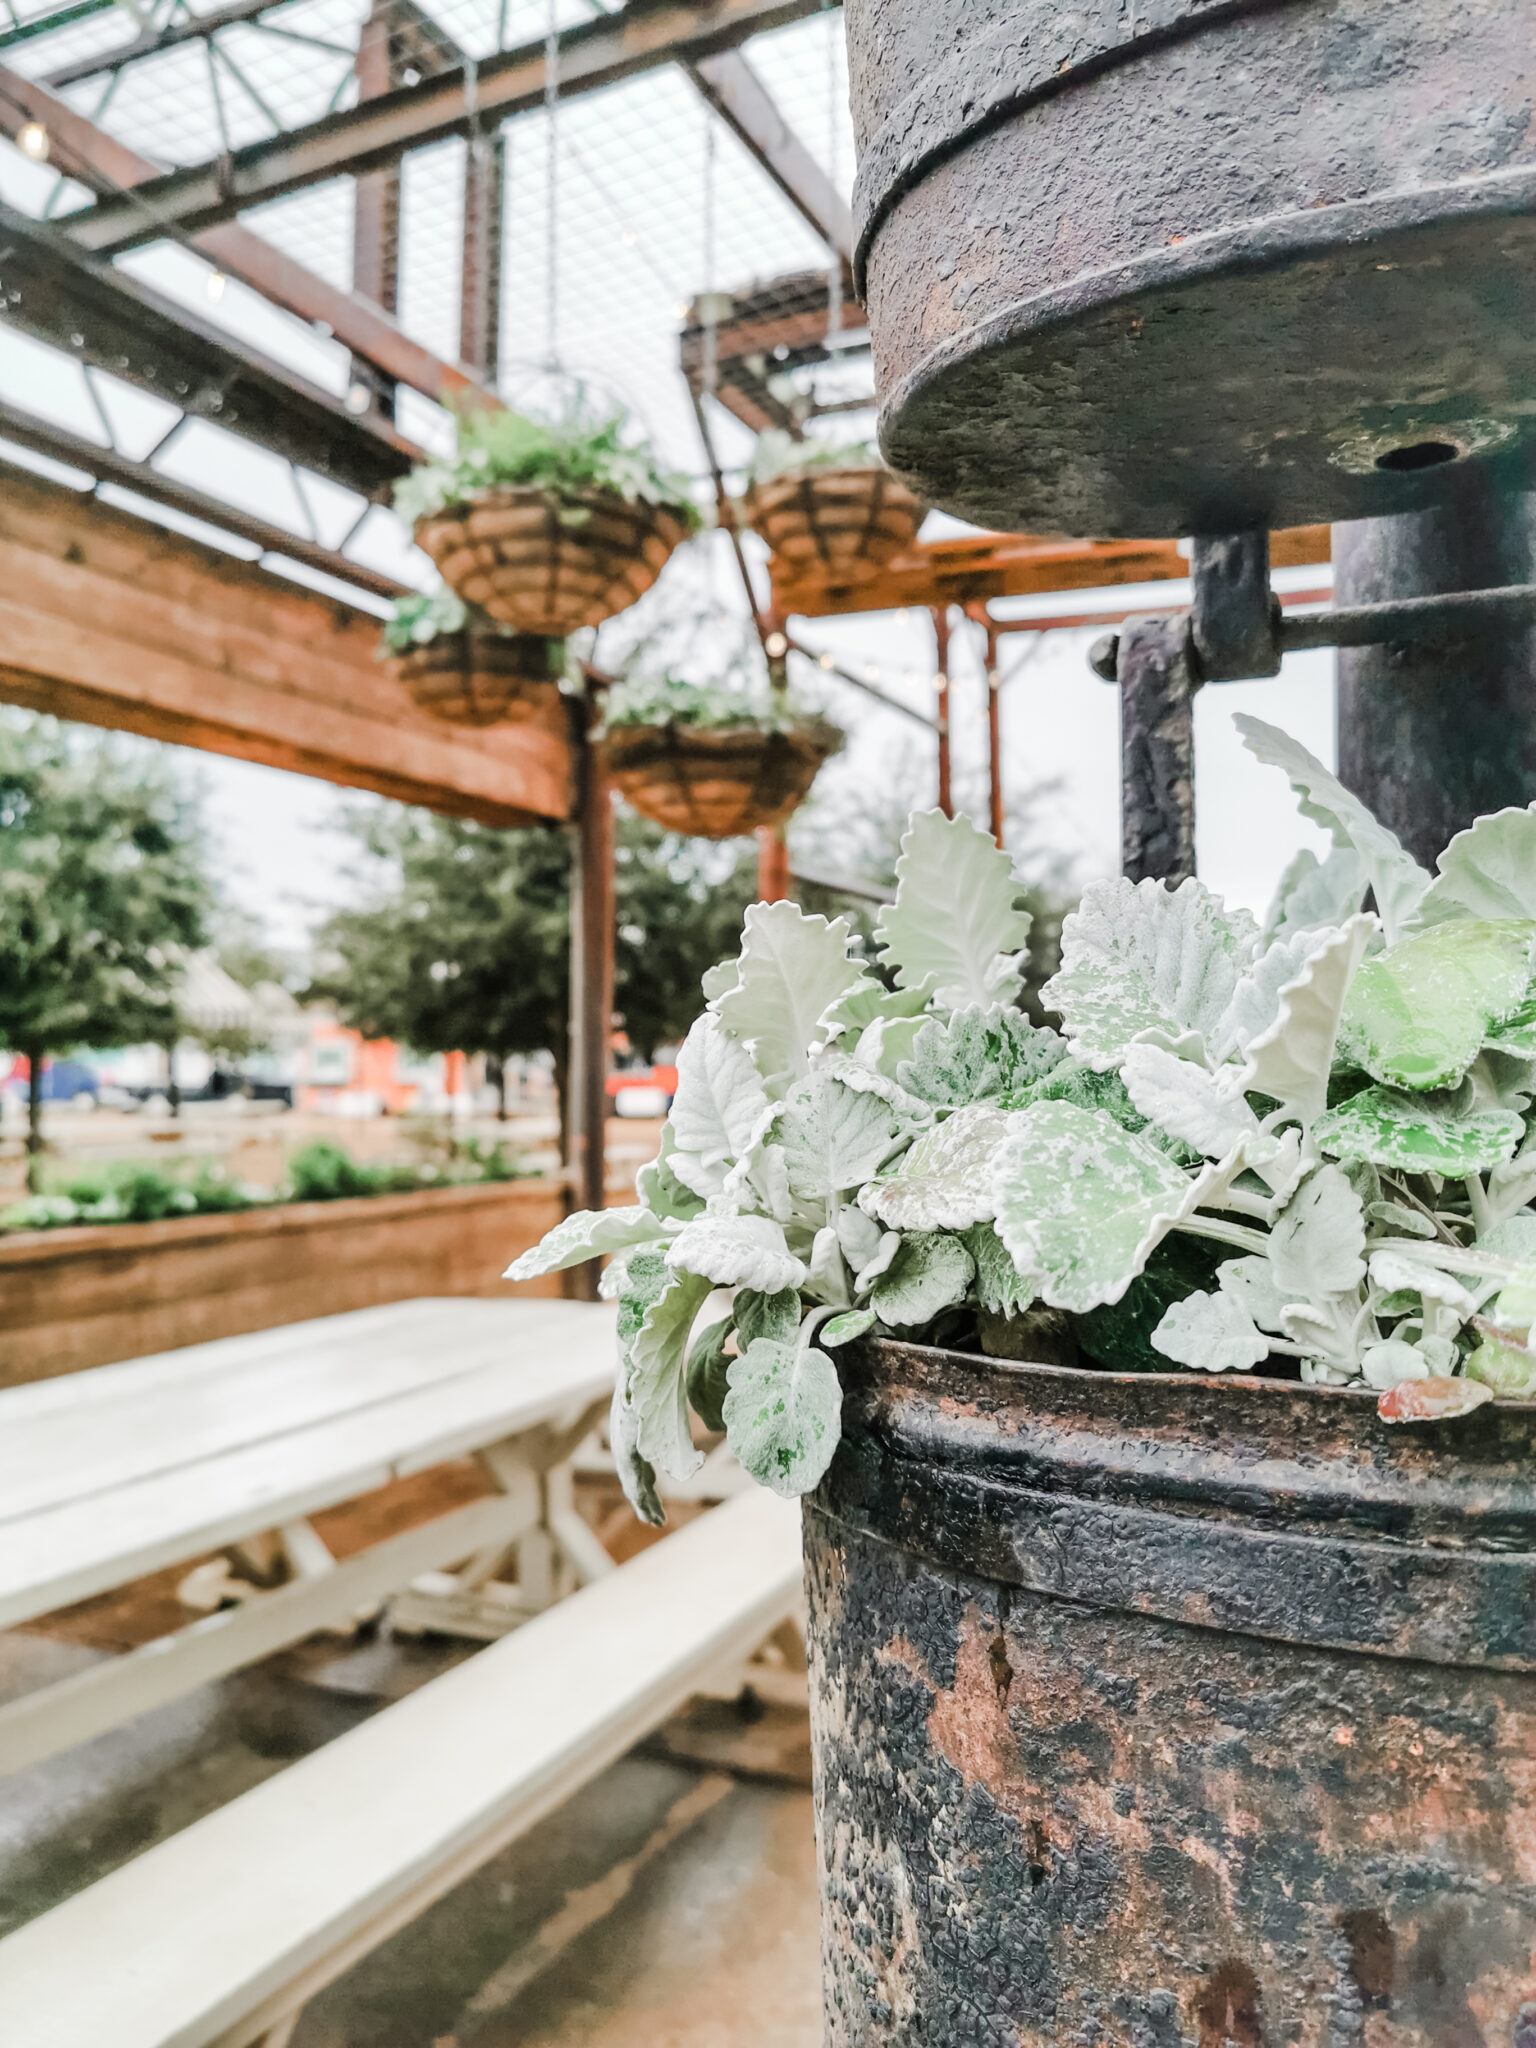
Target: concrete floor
[669,1905]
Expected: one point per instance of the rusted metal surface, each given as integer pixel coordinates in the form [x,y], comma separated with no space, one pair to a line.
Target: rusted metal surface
[1195,265]
[1169,1713]
[1157,749]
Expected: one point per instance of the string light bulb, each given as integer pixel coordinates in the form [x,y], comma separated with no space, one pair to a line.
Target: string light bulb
[775,646]
[215,284]
[827,661]
[32,141]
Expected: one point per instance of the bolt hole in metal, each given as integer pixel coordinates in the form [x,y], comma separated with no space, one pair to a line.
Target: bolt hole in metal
[1419,455]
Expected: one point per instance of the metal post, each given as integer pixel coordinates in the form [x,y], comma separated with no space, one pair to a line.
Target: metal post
[994,736]
[941,687]
[1157,750]
[1433,735]
[592,936]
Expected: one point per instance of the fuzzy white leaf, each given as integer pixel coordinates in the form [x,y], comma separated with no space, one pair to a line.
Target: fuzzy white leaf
[1292,1057]
[859,1236]
[719,1107]
[828,1281]
[1138,957]
[928,1273]
[1396,878]
[658,1386]
[1317,1245]
[977,1054]
[720,979]
[1488,871]
[736,1251]
[844,1328]
[868,1001]
[1205,1110]
[1388,1364]
[1255,1001]
[947,1181]
[783,1414]
[879,1262]
[792,968]
[1391,1272]
[1212,1333]
[834,1137]
[1316,895]
[885,1046]
[587,1235]
[637,1475]
[955,918]
[1082,1202]
[659,1186]
[1251,1283]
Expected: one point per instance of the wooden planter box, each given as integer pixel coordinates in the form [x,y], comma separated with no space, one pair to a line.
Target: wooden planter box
[79,1297]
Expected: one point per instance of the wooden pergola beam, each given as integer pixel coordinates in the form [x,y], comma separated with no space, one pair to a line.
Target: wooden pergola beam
[981,566]
[111,620]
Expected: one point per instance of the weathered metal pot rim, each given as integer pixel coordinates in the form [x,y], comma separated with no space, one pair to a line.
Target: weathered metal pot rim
[1264,1506]
[1260,249]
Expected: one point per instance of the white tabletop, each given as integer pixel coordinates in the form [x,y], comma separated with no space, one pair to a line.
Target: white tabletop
[109,1474]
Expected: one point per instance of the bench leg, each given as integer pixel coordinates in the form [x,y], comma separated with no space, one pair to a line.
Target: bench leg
[280,2035]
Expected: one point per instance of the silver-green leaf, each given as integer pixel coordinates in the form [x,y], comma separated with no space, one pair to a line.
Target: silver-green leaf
[783,1414]
[956,919]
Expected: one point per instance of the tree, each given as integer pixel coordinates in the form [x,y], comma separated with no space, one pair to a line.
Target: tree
[102,884]
[462,942]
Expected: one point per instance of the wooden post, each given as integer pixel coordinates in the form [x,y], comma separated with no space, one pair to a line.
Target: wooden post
[485,167]
[376,194]
[941,686]
[592,936]
[772,864]
[994,736]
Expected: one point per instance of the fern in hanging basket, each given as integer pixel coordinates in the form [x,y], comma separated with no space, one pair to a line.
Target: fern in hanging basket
[712,763]
[835,515]
[463,667]
[547,525]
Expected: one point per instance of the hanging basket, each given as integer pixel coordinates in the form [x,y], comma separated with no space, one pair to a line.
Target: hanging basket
[717,782]
[476,677]
[548,564]
[833,525]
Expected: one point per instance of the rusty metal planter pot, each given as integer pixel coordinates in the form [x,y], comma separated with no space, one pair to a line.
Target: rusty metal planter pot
[547,564]
[842,525]
[480,678]
[1195,264]
[717,782]
[1163,1712]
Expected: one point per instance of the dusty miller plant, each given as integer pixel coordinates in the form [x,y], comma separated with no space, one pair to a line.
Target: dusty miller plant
[1337,1103]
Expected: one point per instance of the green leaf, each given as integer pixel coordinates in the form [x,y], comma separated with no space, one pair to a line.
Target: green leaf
[707,1373]
[947,1180]
[793,968]
[587,1235]
[783,1414]
[1082,1202]
[1418,1013]
[843,1329]
[736,1251]
[1118,1334]
[1488,871]
[1001,1288]
[955,917]
[834,1136]
[647,1276]
[1318,1242]
[637,1475]
[718,1110]
[774,1317]
[1211,1333]
[1138,957]
[1418,1133]
[1291,1058]
[658,1387]
[869,1002]
[929,1272]
[659,1188]
[1316,895]
[1396,879]
[978,1054]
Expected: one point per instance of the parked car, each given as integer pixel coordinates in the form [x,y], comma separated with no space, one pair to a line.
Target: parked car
[641,1090]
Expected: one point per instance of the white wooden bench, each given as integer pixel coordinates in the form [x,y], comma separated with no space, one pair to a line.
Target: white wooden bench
[215,1938]
[108,1475]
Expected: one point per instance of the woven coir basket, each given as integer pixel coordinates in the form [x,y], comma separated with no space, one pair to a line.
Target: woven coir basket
[837,525]
[717,782]
[480,678]
[548,564]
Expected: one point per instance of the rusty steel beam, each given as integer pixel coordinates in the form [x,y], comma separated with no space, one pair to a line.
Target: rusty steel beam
[98,161]
[151,42]
[108,465]
[733,89]
[638,38]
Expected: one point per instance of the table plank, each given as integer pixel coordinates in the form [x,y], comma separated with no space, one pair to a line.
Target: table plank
[83,1546]
[246,1394]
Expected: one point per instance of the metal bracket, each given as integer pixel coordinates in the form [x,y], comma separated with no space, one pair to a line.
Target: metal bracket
[1235,620]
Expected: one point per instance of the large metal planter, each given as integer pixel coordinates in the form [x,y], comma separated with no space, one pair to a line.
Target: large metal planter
[1157,1712]
[1186,265]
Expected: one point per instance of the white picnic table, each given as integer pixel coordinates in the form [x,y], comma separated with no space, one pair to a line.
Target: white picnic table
[124,1470]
